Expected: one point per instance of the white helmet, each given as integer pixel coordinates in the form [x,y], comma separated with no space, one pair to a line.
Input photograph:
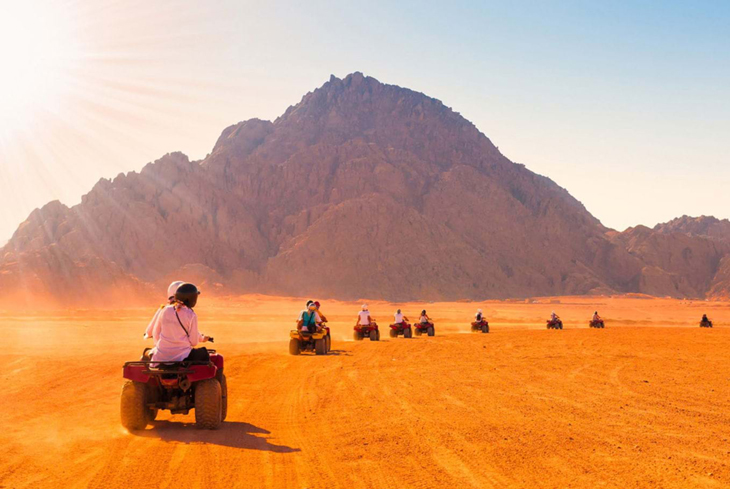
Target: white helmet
[364,307]
[479,311]
[173,288]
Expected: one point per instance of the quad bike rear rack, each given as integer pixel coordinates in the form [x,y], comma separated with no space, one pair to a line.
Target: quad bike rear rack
[166,368]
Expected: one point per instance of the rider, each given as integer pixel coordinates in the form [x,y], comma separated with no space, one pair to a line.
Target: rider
[170,299]
[176,329]
[424,318]
[400,318]
[479,316]
[705,320]
[309,319]
[554,318]
[322,318]
[596,318]
[363,317]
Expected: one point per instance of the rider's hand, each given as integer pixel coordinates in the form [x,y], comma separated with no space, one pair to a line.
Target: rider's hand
[205,339]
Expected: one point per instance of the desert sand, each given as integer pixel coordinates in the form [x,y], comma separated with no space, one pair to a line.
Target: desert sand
[642,403]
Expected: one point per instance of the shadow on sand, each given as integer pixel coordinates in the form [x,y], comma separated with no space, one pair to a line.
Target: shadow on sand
[340,353]
[233,434]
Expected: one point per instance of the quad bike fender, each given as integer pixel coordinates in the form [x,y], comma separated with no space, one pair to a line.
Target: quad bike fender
[217,361]
[136,373]
[366,329]
[202,372]
[315,336]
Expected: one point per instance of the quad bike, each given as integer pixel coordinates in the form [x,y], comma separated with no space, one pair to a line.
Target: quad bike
[427,328]
[482,326]
[554,324]
[706,324]
[596,324]
[317,342]
[370,331]
[176,386]
[403,328]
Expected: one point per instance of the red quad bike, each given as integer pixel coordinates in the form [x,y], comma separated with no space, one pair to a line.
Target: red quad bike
[557,324]
[403,328]
[427,328]
[370,331]
[706,324]
[176,386]
[482,326]
[596,324]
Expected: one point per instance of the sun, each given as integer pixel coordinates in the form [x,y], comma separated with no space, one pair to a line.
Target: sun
[39,50]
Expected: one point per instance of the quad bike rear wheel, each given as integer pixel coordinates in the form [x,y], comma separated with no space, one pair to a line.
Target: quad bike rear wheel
[135,414]
[418,332]
[224,395]
[356,336]
[408,333]
[393,333]
[208,404]
[320,346]
[431,331]
[294,348]
[374,336]
[134,411]
[328,343]
[485,328]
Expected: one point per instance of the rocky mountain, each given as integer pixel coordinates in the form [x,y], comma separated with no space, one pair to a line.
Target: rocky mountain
[363,189]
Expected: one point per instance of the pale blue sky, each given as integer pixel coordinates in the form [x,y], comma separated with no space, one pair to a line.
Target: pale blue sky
[625,104]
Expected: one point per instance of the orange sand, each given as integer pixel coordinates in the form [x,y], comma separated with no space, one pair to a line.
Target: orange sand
[645,402]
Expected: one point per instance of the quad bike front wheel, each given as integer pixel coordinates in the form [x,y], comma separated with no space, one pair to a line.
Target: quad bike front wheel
[374,335]
[431,331]
[208,404]
[485,328]
[393,333]
[408,333]
[356,336]
[328,343]
[418,332]
[134,411]
[294,348]
[320,346]
[224,395]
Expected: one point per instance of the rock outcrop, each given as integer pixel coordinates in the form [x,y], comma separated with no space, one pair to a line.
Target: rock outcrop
[361,190]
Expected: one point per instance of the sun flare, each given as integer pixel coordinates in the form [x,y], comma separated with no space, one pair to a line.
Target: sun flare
[38,51]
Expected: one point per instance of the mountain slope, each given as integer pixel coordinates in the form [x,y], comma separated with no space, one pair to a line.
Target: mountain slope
[361,190]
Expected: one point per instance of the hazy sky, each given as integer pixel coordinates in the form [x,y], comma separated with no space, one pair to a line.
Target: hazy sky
[626,104]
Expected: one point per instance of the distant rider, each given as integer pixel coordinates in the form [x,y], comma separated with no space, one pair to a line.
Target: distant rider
[424,319]
[322,317]
[554,318]
[400,318]
[597,318]
[479,316]
[705,320]
[176,329]
[309,319]
[363,317]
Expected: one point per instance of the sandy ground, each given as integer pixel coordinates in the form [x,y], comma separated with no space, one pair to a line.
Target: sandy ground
[643,403]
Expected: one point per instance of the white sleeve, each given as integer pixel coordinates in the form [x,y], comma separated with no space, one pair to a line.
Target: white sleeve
[157,327]
[195,336]
[148,331]
[317,318]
